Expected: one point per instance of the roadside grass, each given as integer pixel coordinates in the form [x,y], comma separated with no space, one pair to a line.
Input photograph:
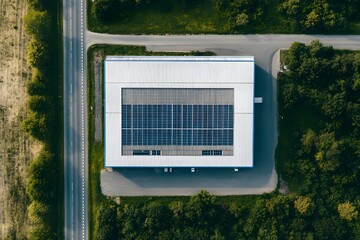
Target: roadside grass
[95,154]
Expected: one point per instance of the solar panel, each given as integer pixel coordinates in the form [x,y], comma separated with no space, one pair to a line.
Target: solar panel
[185,125]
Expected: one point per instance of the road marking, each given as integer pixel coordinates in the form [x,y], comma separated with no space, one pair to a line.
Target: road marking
[82,118]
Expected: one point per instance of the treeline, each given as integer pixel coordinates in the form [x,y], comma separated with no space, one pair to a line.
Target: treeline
[294,16]
[319,16]
[322,89]
[204,217]
[43,118]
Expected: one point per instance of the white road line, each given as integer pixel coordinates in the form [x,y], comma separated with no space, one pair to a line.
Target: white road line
[82,118]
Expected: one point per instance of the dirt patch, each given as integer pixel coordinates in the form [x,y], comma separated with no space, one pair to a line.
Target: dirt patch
[98,96]
[284,187]
[16,149]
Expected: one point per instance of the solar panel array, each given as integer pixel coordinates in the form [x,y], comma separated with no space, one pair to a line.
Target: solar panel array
[182,125]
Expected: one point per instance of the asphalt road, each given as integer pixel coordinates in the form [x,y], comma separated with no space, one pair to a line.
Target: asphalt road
[75,153]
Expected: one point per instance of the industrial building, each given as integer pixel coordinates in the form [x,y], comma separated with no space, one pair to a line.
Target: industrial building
[179,111]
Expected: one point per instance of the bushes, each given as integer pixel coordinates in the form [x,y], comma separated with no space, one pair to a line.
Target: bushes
[44,170]
[41,188]
[37,126]
[37,85]
[323,153]
[107,222]
[40,104]
[37,24]
[314,16]
[269,216]
[38,55]
[40,5]
[41,185]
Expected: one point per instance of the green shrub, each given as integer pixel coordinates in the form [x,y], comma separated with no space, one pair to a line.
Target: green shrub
[37,126]
[37,85]
[37,24]
[38,54]
[42,178]
[40,104]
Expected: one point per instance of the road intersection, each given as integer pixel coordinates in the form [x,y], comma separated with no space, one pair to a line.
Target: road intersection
[76,39]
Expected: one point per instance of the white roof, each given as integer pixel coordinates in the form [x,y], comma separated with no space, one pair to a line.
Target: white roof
[180,72]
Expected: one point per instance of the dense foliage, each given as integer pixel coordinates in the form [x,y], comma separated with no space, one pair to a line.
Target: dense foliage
[319,16]
[271,216]
[325,154]
[42,120]
[241,16]
[322,157]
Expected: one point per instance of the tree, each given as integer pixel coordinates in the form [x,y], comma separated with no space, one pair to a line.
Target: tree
[107,228]
[297,53]
[42,178]
[304,205]
[157,218]
[308,141]
[38,54]
[39,5]
[242,20]
[40,104]
[217,235]
[318,50]
[268,230]
[37,85]
[290,95]
[131,219]
[329,228]
[292,9]
[202,209]
[37,125]
[312,20]
[37,24]
[347,211]
[328,155]
[38,213]
[40,232]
